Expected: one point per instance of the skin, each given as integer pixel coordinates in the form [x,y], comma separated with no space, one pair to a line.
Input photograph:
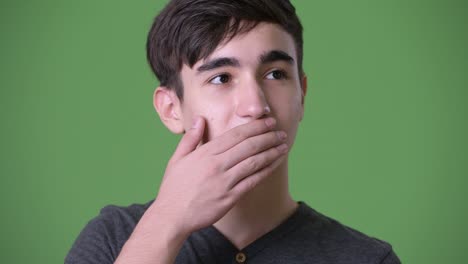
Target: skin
[239,121]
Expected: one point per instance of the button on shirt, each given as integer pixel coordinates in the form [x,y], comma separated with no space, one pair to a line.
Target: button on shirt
[240,257]
[305,237]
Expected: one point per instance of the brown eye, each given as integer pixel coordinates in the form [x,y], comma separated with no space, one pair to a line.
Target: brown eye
[220,79]
[276,75]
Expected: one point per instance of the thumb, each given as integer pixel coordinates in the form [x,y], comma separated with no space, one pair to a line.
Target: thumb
[191,139]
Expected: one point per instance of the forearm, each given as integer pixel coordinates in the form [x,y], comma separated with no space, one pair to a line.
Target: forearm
[154,240]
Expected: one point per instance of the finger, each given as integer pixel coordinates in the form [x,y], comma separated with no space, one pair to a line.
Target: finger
[253,180]
[254,164]
[251,146]
[240,133]
[191,139]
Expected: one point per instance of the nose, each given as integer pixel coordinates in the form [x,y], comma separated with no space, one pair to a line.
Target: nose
[252,102]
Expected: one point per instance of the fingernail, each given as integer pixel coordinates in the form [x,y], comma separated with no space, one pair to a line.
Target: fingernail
[282,135]
[270,122]
[283,148]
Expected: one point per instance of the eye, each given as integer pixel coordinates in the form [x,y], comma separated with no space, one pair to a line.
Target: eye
[220,79]
[276,75]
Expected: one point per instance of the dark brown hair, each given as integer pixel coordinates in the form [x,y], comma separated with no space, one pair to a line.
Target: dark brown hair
[186,31]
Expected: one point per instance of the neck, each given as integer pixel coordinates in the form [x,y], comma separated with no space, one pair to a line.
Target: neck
[260,210]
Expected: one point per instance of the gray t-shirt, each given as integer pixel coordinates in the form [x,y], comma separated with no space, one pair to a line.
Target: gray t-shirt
[307,236]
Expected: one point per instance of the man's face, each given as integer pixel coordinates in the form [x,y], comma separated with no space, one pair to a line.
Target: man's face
[252,76]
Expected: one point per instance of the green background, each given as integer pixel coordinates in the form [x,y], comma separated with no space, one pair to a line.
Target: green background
[382,148]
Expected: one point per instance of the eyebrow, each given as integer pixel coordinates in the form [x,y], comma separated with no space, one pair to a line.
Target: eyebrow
[276,55]
[217,63]
[268,57]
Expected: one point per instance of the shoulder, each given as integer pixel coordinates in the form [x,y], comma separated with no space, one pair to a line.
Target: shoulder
[103,237]
[339,242]
[122,218]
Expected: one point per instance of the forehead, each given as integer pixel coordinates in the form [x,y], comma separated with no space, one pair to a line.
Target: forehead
[248,47]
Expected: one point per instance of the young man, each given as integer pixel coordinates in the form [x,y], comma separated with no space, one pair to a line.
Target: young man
[231,79]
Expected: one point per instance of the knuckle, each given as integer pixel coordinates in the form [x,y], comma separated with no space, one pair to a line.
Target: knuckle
[238,135]
[231,199]
[252,145]
[228,200]
[252,164]
[250,183]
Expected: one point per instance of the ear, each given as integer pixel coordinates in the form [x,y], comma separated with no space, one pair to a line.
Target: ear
[167,104]
[303,94]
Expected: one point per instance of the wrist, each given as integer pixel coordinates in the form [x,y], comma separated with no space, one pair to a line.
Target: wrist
[160,221]
[154,238]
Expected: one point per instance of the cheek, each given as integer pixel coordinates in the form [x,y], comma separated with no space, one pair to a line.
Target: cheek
[286,105]
[216,116]
[287,109]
